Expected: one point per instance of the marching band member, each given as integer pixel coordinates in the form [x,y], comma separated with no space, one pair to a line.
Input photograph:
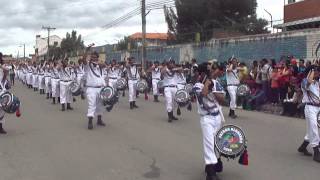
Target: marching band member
[156,77]
[5,85]
[95,82]
[35,83]
[66,77]
[80,77]
[47,80]
[170,88]
[232,85]
[29,75]
[113,74]
[181,80]
[211,118]
[41,77]
[311,97]
[133,77]
[55,83]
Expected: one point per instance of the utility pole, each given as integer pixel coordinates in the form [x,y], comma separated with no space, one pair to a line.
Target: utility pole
[143,16]
[48,28]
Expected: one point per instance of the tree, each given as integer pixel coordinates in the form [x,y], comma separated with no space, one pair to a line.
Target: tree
[203,16]
[71,44]
[126,44]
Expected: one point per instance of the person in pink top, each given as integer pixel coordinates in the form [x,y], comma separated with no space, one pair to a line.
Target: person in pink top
[275,85]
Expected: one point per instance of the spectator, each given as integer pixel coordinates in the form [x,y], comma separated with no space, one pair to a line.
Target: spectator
[290,102]
[254,70]
[265,78]
[284,78]
[274,92]
[302,67]
[243,72]
[256,99]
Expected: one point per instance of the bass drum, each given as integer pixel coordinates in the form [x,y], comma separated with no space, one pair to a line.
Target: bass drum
[243,90]
[230,141]
[75,88]
[108,95]
[182,98]
[142,86]
[121,84]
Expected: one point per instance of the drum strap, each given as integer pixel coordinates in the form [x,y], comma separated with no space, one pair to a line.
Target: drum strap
[93,71]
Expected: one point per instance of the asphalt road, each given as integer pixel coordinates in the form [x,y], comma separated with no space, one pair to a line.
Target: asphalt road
[47,144]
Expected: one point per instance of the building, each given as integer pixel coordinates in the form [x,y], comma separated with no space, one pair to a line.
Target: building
[152,39]
[300,14]
[41,47]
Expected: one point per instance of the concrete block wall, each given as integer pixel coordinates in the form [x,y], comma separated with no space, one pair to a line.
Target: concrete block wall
[300,44]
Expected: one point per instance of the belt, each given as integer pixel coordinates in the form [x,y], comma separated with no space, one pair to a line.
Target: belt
[112,78]
[65,81]
[171,86]
[133,79]
[156,78]
[182,83]
[55,78]
[233,85]
[41,74]
[47,76]
[213,114]
[94,86]
[312,104]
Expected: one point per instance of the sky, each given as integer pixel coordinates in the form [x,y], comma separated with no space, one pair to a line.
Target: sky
[22,20]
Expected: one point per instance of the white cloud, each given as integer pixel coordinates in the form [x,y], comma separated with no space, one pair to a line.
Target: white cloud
[21,20]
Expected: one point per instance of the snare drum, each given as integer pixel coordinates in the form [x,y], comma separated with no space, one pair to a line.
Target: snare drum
[188,88]
[182,98]
[142,86]
[9,103]
[230,141]
[243,90]
[121,84]
[108,95]
[75,88]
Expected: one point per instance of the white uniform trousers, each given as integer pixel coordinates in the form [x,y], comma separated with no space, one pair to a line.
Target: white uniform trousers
[47,81]
[29,78]
[210,126]
[65,92]
[95,106]
[41,85]
[2,121]
[232,90]
[55,87]
[35,82]
[169,93]
[155,89]
[132,90]
[24,78]
[312,135]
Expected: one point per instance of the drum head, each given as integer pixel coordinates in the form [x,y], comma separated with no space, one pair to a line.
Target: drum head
[243,90]
[142,86]
[13,107]
[74,87]
[121,84]
[6,99]
[182,97]
[230,141]
[107,93]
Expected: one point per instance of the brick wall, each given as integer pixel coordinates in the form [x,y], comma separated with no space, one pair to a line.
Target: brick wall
[301,10]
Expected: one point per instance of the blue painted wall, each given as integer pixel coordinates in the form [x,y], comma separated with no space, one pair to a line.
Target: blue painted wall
[247,50]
